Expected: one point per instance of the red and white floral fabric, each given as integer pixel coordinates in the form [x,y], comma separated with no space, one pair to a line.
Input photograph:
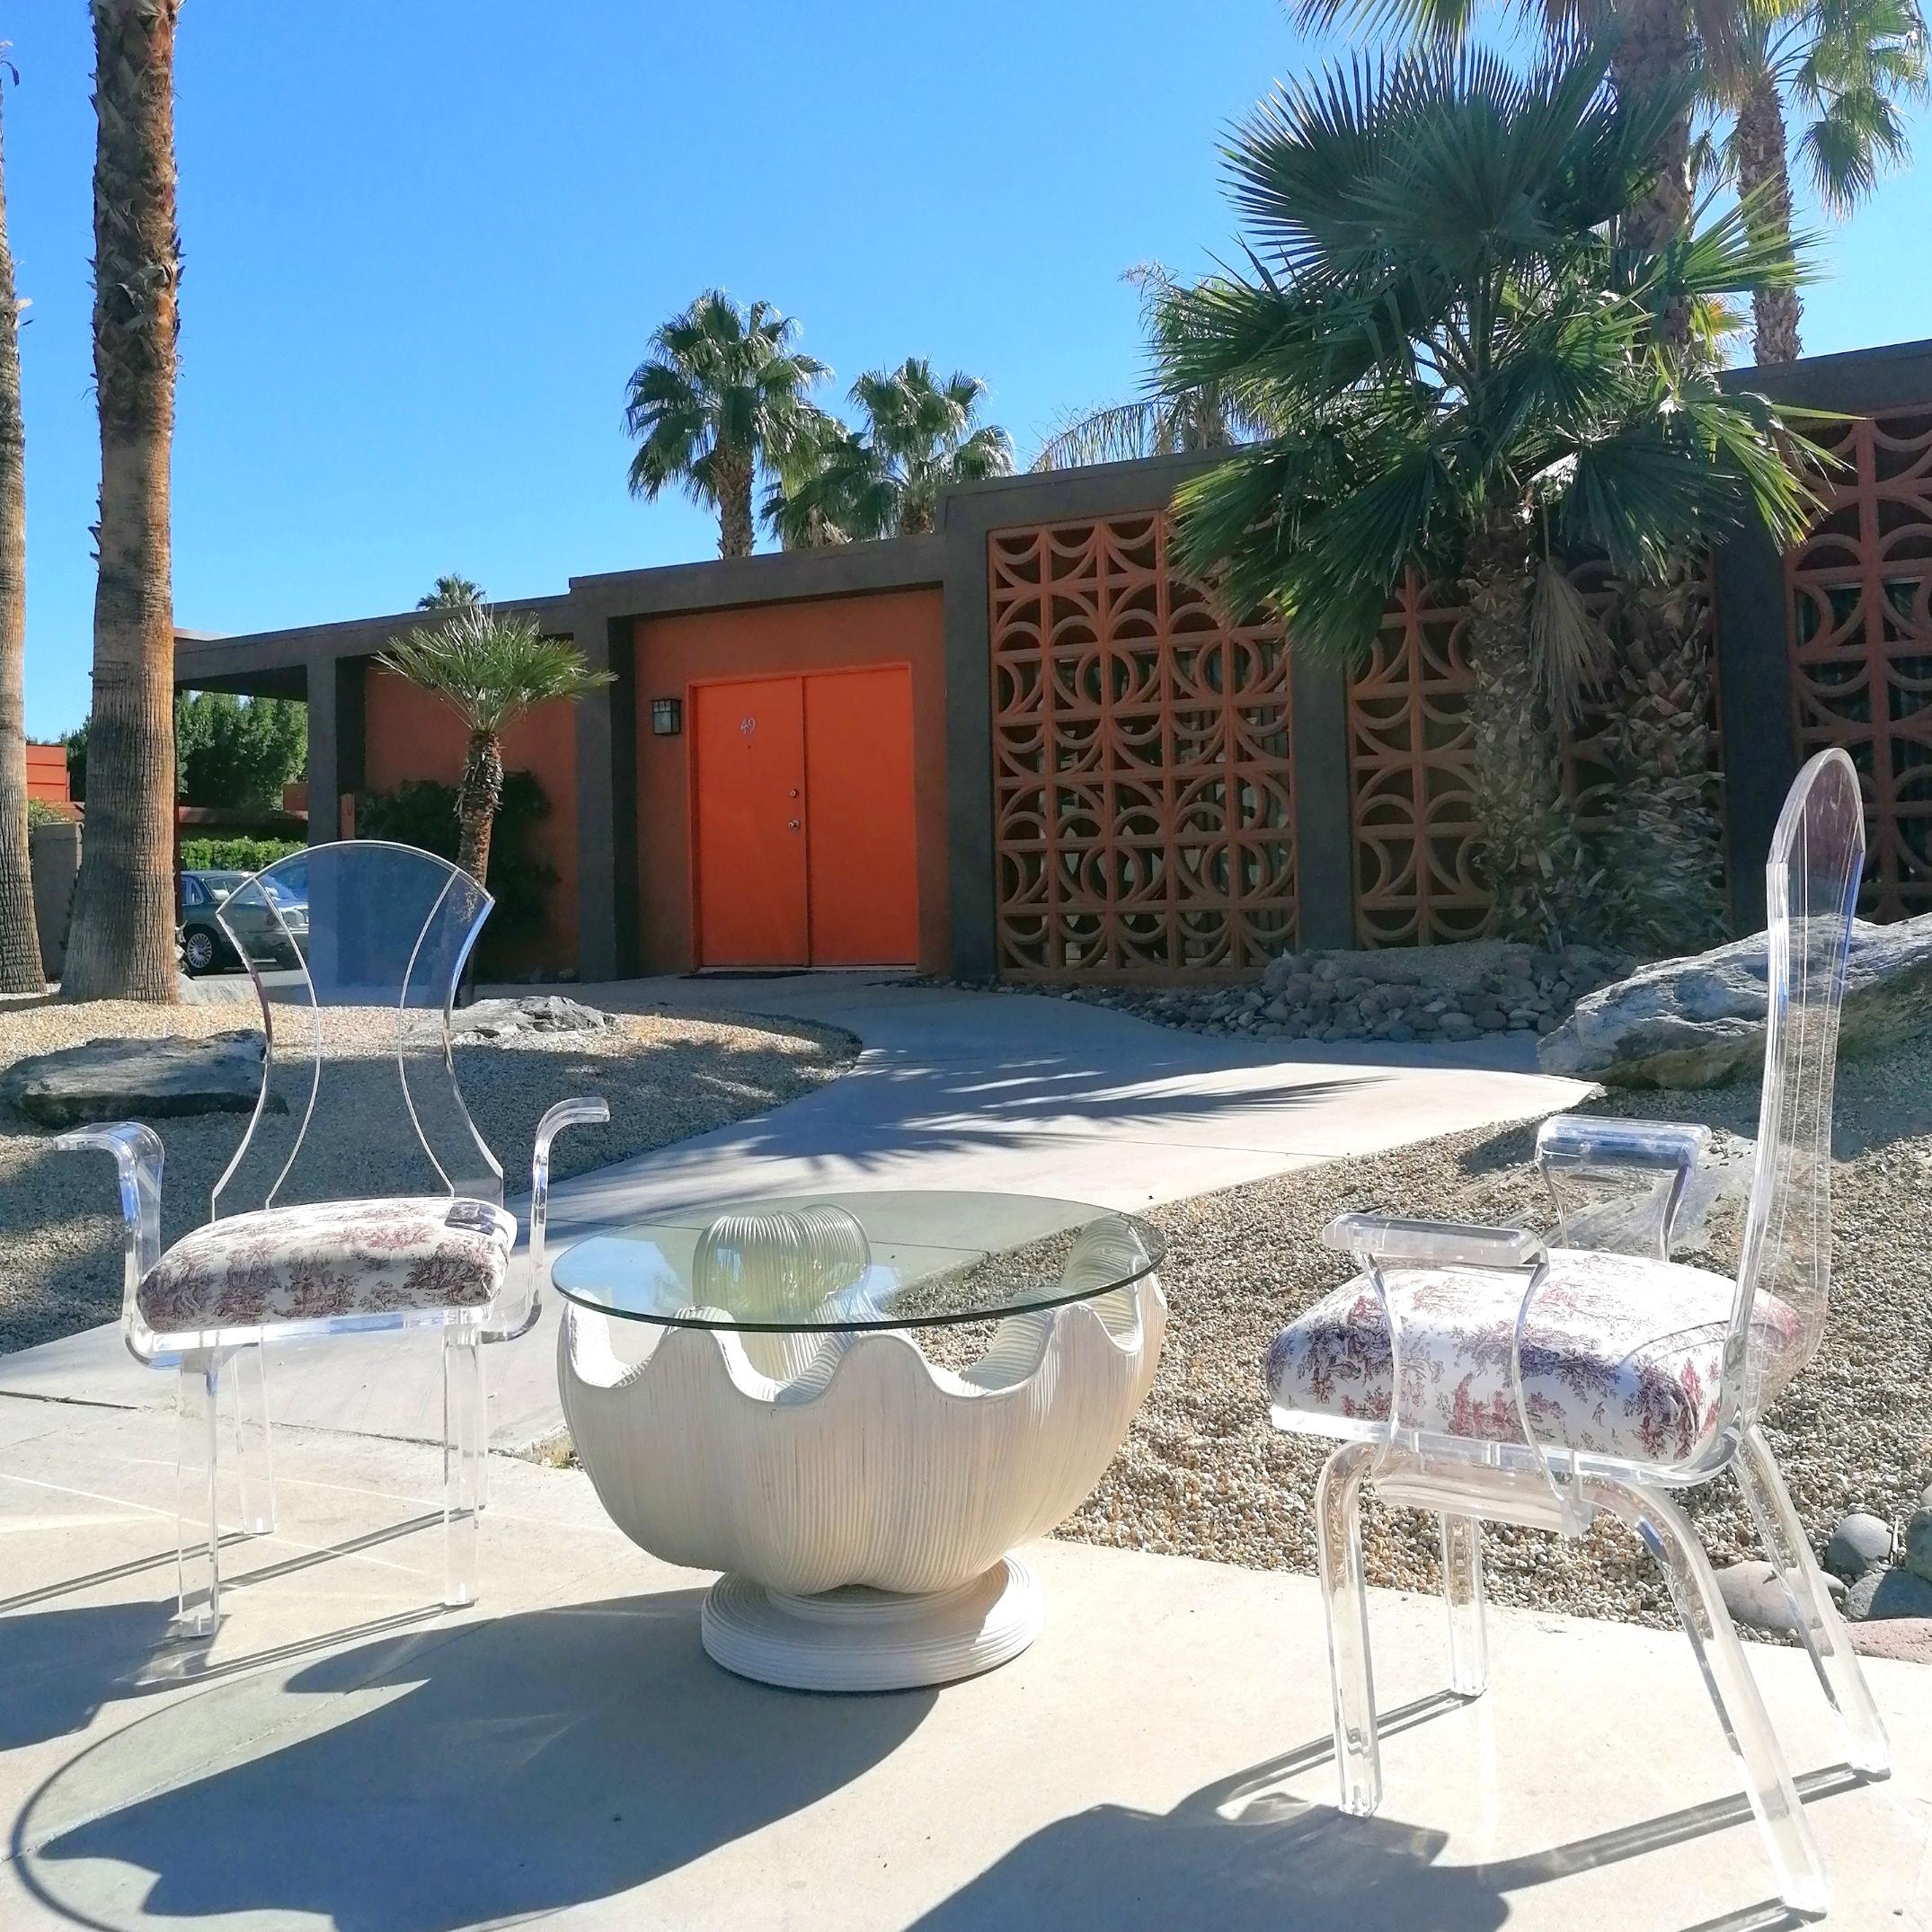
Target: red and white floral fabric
[1621,1355]
[335,1258]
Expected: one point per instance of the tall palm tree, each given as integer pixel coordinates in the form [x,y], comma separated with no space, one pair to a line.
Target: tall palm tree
[1450,308]
[1844,67]
[489,668]
[20,945]
[917,436]
[722,395]
[120,944]
[1157,425]
[451,593]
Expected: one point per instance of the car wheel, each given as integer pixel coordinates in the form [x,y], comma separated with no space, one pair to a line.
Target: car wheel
[197,950]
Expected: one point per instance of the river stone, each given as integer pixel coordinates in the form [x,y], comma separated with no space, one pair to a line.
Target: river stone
[139,1080]
[1700,1022]
[1755,1597]
[1891,1593]
[494,1019]
[1916,1552]
[1861,1542]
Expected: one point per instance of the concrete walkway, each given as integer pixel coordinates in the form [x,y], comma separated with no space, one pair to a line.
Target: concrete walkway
[953,1090]
[566,1756]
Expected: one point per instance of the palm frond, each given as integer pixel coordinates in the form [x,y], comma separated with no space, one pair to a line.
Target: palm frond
[489,666]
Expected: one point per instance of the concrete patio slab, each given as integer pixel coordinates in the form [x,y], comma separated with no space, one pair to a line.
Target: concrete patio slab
[955,1090]
[566,1756]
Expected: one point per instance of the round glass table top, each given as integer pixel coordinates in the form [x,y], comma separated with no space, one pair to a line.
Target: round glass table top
[831,1262]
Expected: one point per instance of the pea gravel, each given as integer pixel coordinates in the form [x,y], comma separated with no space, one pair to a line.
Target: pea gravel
[665,1077]
[1203,1473]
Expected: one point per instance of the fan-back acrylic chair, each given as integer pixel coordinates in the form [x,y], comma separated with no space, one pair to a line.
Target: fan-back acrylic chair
[362,1199]
[1476,1373]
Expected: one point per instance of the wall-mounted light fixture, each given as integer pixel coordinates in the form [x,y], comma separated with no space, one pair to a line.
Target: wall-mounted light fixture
[666,716]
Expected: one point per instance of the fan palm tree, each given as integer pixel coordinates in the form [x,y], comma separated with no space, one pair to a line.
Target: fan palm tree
[20,945]
[722,395]
[120,944]
[917,436]
[1449,307]
[451,593]
[1159,424]
[1845,65]
[490,669]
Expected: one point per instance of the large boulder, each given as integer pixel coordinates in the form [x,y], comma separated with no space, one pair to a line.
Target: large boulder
[1700,1022]
[501,1019]
[139,1080]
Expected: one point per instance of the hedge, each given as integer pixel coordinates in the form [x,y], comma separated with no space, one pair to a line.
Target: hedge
[235,854]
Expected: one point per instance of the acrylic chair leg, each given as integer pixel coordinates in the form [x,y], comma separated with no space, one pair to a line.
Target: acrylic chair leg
[1667,1533]
[1462,1590]
[197,1496]
[1345,1598]
[1820,1629]
[251,1448]
[463,1453]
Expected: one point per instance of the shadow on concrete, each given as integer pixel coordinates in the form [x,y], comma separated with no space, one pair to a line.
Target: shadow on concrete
[448,1780]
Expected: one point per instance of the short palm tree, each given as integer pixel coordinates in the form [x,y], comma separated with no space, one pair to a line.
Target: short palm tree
[1844,67]
[489,668]
[1160,424]
[917,436]
[722,395]
[1448,307]
[451,593]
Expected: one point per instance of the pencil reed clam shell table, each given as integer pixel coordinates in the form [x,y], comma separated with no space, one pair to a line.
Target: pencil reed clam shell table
[782,1418]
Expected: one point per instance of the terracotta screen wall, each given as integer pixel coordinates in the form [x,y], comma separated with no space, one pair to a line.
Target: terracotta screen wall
[410,734]
[677,653]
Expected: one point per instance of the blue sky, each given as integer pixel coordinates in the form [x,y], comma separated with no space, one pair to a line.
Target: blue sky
[425,245]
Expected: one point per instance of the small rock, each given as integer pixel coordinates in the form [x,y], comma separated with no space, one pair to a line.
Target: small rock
[1917,1551]
[1489,1019]
[1755,1597]
[1861,1542]
[1887,1593]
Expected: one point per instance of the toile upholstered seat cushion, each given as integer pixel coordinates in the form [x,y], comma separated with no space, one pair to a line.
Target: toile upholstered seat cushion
[1621,1354]
[335,1258]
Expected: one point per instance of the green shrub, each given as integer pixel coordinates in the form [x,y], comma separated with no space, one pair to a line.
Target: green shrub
[235,854]
[44,811]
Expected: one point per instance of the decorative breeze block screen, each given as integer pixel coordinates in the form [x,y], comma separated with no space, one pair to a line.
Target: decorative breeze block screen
[1859,603]
[1143,811]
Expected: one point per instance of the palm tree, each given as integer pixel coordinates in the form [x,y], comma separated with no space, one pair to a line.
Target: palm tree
[20,945]
[1448,308]
[451,593]
[722,395]
[919,437]
[1204,417]
[120,944]
[1845,65]
[489,668]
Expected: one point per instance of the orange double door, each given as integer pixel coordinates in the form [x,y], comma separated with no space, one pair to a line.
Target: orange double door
[801,800]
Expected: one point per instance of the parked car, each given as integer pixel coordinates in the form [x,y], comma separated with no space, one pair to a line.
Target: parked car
[205,946]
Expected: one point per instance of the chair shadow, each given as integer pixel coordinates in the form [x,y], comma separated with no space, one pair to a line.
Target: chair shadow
[474,1774]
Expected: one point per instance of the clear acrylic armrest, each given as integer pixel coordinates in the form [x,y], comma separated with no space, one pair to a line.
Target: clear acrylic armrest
[137,1161]
[518,1317]
[1388,1238]
[1619,1185]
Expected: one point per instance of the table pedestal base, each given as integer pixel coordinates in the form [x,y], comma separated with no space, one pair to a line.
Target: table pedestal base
[861,1639]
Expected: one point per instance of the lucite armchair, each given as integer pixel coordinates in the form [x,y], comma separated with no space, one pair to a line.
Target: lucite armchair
[1479,1373]
[360,1200]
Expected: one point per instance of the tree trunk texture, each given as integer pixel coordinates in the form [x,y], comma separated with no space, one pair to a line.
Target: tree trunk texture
[1527,847]
[1663,854]
[1656,44]
[122,945]
[482,794]
[1763,170]
[735,526]
[20,940]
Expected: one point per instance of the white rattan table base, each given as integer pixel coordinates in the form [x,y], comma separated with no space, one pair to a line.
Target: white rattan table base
[860,1639]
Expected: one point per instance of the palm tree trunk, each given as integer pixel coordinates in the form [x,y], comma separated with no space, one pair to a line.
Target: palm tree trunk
[1527,847]
[20,943]
[735,527]
[1764,181]
[482,794]
[1655,45]
[122,945]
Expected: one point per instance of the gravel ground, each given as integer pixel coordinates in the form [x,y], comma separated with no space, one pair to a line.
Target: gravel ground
[1203,1475]
[665,1077]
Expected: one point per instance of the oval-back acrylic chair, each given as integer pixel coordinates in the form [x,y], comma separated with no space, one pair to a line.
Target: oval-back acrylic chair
[1477,1373]
[362,1199]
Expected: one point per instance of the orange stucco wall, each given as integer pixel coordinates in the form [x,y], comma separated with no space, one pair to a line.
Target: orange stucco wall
[410,734]
[673,653]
